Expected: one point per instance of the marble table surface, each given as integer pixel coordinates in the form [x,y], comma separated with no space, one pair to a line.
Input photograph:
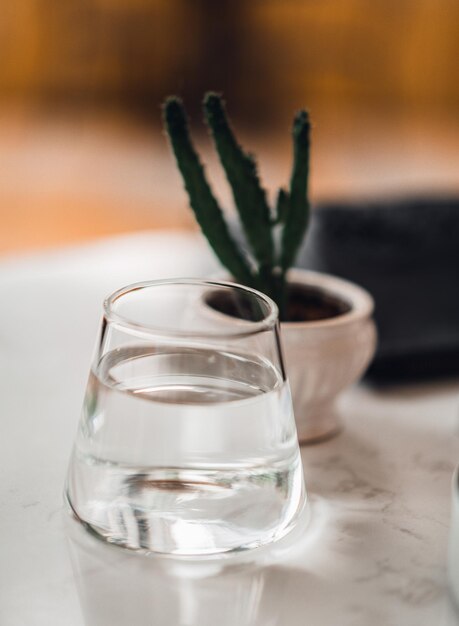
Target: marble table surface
[373,551]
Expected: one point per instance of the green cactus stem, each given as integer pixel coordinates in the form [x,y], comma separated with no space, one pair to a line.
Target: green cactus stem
[206,209]
[297,215]
[241,172]
[268,267]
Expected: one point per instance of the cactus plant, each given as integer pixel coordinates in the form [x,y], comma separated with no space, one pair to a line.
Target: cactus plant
[273,236]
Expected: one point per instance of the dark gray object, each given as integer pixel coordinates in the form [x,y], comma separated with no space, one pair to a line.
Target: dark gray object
[406,254]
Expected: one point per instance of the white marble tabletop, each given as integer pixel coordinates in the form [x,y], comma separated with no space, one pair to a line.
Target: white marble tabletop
[373,552]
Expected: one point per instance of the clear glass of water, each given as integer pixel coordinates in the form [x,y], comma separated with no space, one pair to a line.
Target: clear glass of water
[187,442]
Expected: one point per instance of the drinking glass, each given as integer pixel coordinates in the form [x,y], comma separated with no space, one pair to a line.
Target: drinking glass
[187,442]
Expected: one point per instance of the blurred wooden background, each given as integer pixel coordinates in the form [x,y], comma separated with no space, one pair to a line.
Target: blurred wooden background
[81,150]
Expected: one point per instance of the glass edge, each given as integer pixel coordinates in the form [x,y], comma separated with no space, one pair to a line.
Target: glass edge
[113,318]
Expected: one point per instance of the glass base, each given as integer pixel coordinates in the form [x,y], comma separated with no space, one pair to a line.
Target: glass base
[183,514]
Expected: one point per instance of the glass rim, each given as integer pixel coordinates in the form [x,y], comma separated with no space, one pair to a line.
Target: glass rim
[267,323]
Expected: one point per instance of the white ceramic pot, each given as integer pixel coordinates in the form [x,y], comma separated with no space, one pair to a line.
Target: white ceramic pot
[326,356]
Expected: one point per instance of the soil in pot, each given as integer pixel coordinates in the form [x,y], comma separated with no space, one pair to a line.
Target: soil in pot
[305,304]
